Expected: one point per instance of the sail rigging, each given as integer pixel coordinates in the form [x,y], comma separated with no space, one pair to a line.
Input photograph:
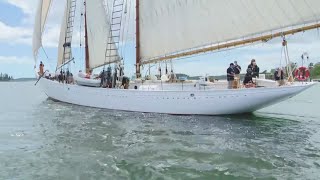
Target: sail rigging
[40,22]
[66,32]
[175,28]
[99,36]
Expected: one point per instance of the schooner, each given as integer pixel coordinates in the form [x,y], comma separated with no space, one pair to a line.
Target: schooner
[167,30]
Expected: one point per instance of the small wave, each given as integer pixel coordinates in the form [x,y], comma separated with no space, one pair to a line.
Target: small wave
[287,116]
[18,134]
[185,133]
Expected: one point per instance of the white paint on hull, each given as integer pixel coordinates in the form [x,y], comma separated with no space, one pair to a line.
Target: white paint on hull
[205,102]
[87,82]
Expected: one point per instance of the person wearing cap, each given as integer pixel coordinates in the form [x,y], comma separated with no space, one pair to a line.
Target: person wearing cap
[230,75]
[237,70]
[41,68]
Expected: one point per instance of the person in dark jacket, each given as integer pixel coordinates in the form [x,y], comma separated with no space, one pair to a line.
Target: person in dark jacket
[279,76]
[237,70]
[248,77]
[247,82]
[230,75]
[254,68]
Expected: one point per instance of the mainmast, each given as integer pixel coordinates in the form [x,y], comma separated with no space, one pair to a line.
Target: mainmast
[87,68]
[138,75]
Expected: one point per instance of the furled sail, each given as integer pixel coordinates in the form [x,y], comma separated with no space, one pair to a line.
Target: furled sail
[39,24]
[99,36]
[170,28]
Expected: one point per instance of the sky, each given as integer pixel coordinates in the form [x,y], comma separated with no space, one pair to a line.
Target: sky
[16,56]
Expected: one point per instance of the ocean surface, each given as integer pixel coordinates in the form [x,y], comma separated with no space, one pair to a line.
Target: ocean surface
[43,139]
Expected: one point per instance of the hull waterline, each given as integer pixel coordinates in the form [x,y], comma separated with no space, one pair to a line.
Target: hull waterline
[200,102]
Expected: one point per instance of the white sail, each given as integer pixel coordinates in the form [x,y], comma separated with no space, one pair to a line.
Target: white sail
[39,24]
[99,27]
[64,36]
[171,26]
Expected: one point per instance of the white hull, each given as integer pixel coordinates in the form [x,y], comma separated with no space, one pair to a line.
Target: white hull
[205,102]
[190,85]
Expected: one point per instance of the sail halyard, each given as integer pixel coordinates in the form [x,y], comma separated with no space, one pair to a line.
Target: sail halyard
[175,29]
[40,22]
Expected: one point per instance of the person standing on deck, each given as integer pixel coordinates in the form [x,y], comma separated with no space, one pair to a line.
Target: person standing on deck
[279,76]
[255,69]
[64,77]
[230,75]
[67,76]
[237,70]
[60,77]
[41,68]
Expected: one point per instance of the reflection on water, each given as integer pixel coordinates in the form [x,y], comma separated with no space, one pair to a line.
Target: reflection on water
[53,140]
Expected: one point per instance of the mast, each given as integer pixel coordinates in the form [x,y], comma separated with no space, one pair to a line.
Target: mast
[87,68]
[138,75]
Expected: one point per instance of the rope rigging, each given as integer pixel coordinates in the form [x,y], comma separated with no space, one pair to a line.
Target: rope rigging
[287,58]
[115,49]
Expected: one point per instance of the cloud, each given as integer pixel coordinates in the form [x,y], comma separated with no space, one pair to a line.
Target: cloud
[14,35]
[23,35]
[28,7]
[16,60]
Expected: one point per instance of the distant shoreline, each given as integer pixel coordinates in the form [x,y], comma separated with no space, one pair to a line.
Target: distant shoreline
[21,80]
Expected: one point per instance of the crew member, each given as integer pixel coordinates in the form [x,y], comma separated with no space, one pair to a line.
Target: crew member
[41,68]
[254,68]
[230,75]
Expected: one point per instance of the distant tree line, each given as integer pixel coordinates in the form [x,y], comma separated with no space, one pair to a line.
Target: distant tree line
[315,71]
[5,77]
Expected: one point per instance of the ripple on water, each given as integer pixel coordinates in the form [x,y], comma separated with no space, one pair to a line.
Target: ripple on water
[54,140]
